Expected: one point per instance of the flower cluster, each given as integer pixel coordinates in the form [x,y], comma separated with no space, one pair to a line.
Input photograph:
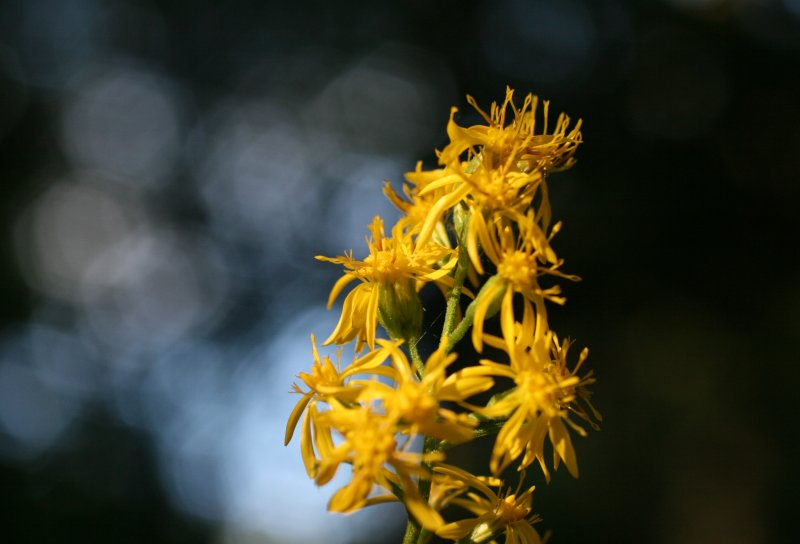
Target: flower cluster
[484,217]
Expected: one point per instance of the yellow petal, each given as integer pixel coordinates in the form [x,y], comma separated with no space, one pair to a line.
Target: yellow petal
[562,445]
[338,286]
[419,508]
[349,498]
[295,416]
[344,331]
[372,317]
[464,384]
[307,448]
[487,243]
[441,182]
[458,529]
[494,341]
[508,445]
[507,318]
[380,499]
[437,210]
[527,534]
[472,242]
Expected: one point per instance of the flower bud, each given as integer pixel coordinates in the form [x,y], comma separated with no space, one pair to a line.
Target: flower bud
[400,310]
[494,289]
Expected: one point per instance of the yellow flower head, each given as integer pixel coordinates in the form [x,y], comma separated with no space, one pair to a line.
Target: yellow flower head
[487,194]
[516,141]
[542,400]
[376,421]
[368,443]
[415,403]
[417,206]
[577,398]
[393,271]
[497,513]
[521,258]
[325,382]
[379,457]
[504,171]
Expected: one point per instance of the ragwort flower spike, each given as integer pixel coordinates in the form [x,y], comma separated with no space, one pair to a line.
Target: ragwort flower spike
[487,205]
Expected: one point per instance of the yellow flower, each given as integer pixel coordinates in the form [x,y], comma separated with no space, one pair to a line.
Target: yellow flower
[580,396]
[326,381]
[379,456]
[487,194]
[504,172]
[497,513]
[417,207]
[377,421]
[545,394]
[415,403]
[520,260]
[394,270]
[516,142]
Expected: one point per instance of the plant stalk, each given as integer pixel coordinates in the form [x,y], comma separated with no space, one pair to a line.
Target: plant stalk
[454,298]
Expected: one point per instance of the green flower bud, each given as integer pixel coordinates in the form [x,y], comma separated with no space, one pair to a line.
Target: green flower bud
[494,288]
[400,310]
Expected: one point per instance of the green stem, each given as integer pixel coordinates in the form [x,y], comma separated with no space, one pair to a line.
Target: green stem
[412,531]
[458,333]
[415,534]
[429,446]
[425,536]
[413,349]
[454,298]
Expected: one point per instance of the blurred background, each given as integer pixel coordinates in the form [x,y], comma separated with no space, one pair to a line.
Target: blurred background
[169,169]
